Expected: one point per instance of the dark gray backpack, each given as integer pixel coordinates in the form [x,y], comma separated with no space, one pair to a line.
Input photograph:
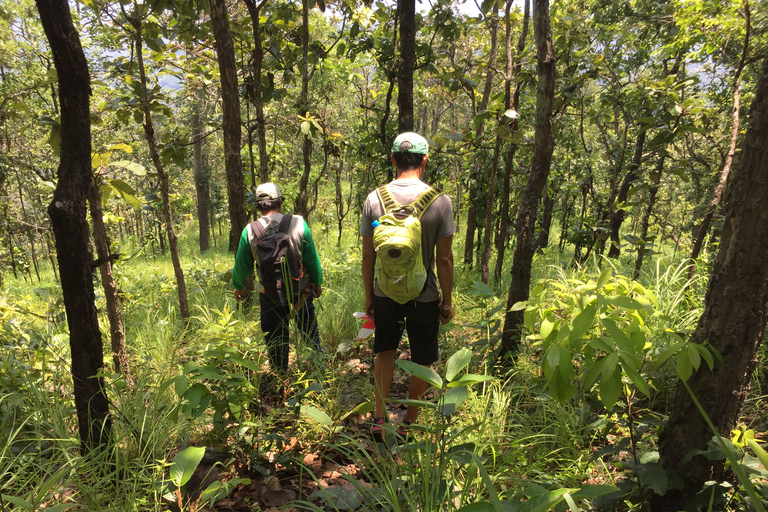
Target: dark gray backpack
[282,271]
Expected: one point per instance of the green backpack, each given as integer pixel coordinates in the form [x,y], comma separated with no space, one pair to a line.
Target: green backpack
[400,268]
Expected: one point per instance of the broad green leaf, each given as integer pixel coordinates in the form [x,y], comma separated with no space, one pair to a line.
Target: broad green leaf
[593,491]
[583,322]
[618,336]
[609,364]
[125,191]
[668,352]
[636,379]
[605,276]
[184,464]
[135,168]
[622,301]
[219,490]
[246,363]
[426,404]
[121,146]
[684,367]
[544,502]
[317,415]
[468,380]
[546,328]
[428,375]
[482,290]
[610,388]
[19,502]
[693,355]
[706,354]
[450,400]
[99,160]
[561,387]
[457,362]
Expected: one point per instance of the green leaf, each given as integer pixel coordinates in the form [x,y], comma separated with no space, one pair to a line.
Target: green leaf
[684,368]
[618,336]
[706,354]
[544,502]
[125,191]
[668,352]
[185,463]
[590,491]
[605,276]
[121,146]
[622,301]
[610,386]
[583,322]
[637,379]
[451,399]
[426,374]
[457,362]
[426,404]
[22,504]
[479,506]
[761,454]
[317,415]
[482,290]
[135,168]
[221,489]
[469,379]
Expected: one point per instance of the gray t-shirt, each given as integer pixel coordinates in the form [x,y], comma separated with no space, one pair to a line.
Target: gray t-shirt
[437,222]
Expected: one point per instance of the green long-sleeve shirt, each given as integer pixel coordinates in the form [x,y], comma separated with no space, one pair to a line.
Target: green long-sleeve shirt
[299,232]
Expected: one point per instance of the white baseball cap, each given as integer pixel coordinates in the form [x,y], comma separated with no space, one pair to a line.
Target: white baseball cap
[268,191]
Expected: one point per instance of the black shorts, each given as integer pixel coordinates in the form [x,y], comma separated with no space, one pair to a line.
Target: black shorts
[421,321]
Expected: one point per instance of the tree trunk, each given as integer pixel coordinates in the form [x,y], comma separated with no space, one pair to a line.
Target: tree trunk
[705,222]
[513,101]
[546,221]
[537,180]
[302,199]
[489,200]
[149,132]
[734,318]
[469,238]
[230,98]
[407,15]
[27,228]
[257,100]
[618,216]
[116,330]
[654,189]
[201,180]
[68,218]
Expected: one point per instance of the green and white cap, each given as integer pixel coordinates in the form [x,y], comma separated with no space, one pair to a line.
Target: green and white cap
[268,191]
[410,142]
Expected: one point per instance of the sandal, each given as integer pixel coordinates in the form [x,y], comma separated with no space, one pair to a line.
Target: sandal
[377,430]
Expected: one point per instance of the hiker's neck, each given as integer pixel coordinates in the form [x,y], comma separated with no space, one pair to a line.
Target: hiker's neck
[410,174]
[264,213]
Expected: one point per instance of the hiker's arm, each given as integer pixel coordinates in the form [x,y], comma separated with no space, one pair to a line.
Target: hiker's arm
[310,257]
[243,265]
[445,276]
[369,261]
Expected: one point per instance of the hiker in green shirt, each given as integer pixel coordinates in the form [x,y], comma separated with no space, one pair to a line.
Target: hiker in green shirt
[275,315]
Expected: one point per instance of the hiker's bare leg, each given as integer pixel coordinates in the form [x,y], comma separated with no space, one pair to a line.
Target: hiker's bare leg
[416,390]
[383,368]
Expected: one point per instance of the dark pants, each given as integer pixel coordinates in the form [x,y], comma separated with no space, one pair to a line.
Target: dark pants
[274,323]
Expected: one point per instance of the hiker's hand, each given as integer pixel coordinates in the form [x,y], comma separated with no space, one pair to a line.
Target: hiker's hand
[446,313]
[316,290]
[369,307]
[240,294]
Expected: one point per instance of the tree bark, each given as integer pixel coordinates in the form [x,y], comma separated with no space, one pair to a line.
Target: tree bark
[116,330]
[230,99]
[537,179]
[201,180]
[654,190]
[707,220]
[734,318]
[618,216]
[68,218]
[257,99]
[149,132]
[407,14]
[302,199]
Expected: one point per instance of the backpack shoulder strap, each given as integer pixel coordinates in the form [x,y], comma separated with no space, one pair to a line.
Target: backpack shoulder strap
[388,201]
[258,230]
[285,224]
[421,204]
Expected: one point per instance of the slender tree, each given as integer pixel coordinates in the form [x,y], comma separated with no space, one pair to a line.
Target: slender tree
[537,179]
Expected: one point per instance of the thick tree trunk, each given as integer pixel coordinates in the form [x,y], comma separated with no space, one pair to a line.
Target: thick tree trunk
[734,318]
[618,216]
[230,99]
[707,220]
[407,14]
[116,330]
[68,218]
[149,132]
[537,180]
[201,180]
